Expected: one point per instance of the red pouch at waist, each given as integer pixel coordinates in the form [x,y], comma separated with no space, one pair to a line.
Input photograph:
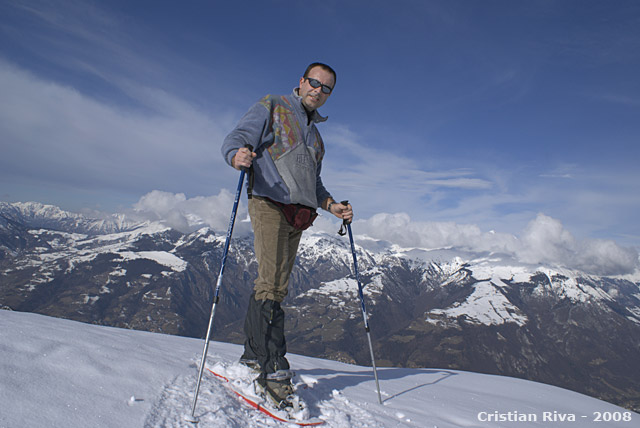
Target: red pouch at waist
[299,216]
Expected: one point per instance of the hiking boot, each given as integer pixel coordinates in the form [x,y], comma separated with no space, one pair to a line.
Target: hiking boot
[279,391]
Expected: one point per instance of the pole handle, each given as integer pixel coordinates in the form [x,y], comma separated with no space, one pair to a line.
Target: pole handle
[345,202]
[249,172]
[250,147]
[345,223]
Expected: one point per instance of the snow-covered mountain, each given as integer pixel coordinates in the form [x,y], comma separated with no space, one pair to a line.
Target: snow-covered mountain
[60,373]
[49,216]
[428,308]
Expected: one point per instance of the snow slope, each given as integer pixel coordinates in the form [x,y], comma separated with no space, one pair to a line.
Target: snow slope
[60,373]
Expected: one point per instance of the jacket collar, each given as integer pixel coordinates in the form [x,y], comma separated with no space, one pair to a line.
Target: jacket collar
[315,116]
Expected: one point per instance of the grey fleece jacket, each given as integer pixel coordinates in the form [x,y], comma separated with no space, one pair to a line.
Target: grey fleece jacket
[289,150]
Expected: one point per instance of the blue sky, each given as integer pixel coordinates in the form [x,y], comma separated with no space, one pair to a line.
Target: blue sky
[483,114]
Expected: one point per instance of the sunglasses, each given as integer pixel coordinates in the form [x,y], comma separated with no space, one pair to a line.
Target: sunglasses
[316,84]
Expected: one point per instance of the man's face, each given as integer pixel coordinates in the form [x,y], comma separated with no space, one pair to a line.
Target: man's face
[314,98]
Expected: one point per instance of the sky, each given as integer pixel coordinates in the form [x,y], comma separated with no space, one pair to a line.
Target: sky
[494,116]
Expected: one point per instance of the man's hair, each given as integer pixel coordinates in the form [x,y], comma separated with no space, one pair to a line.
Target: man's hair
[323,66]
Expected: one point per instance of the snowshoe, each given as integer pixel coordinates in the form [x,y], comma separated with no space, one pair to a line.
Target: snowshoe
[278,389]
[242,382]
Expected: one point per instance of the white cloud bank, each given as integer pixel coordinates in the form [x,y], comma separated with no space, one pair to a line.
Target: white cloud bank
[187,214]
[543,241]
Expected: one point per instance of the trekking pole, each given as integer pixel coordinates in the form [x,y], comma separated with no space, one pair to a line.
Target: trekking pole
[360,293]
[192,418]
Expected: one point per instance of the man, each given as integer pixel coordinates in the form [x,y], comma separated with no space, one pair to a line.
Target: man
[285,189]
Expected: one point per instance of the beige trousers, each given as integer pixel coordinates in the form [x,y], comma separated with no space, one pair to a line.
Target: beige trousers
[275,244]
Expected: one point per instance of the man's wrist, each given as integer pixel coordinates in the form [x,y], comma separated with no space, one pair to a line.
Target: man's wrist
[233,159]
[329,205]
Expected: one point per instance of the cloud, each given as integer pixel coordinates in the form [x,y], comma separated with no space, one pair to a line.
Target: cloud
[401,230]
[546,241]
[622,99]
[379,179]
[373,167]
[188,214]
[56,135]
[543,241]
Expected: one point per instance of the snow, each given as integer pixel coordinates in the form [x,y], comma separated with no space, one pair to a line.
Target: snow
[60,373]
[486,305]
[493,268]
[343,289]
[161,257]
[635,311]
